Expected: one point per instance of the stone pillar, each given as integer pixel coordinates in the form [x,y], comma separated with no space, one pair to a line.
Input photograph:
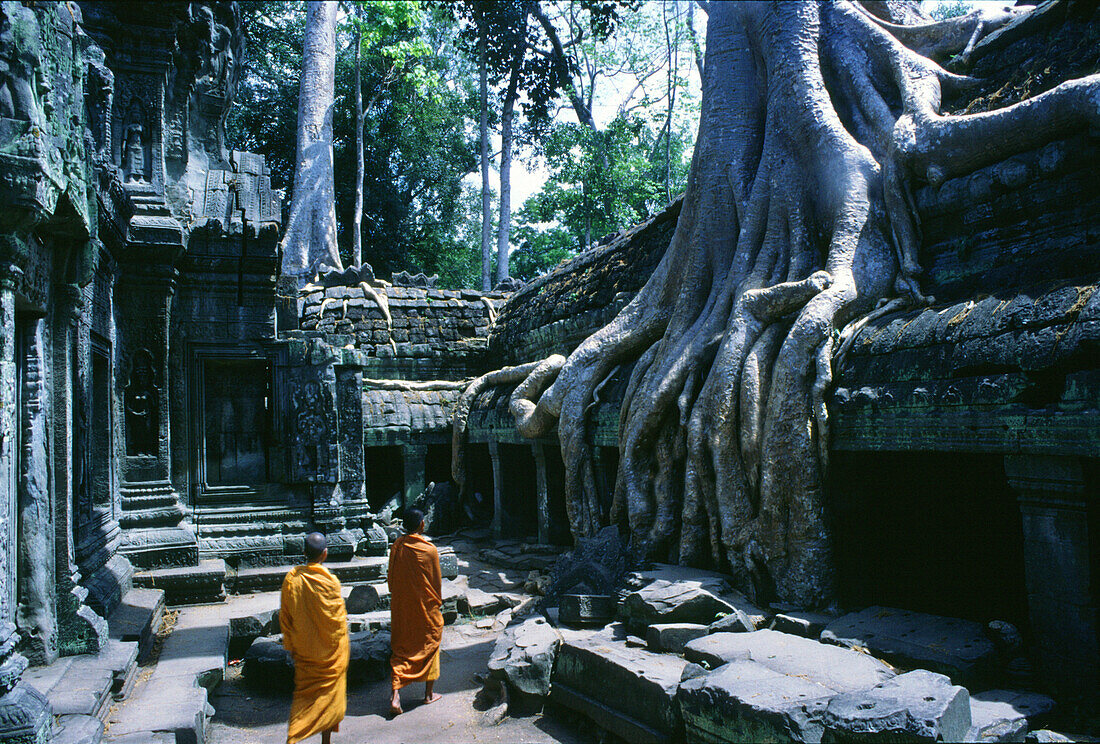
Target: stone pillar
[37,608]
[542,502]
[80,630]
[415,457]
[498,490]
[25,716]
[156,532]
[1054,507]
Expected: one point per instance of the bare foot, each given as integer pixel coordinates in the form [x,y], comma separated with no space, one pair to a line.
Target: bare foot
[395,710]
[432,698]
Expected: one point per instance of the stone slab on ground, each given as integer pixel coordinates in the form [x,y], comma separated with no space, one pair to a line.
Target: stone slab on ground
[626,690]
[453,590]
[188,585]
[1005,715]
[524,656]
[77,729]
[252,626]
[137,618]
[952,646]
[368,598]
[173,700]
[672,637]
[478,602]
[915,706]
[369,621]
[839,669]
[746,701]
[699,600]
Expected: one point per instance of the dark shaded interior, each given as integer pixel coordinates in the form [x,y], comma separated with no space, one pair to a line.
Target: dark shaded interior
[520,495]
[385,475]
[930,532]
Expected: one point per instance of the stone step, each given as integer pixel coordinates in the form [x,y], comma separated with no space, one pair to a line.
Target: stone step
[359,570]
[137,618]
[85,685]
[199,584]
[626,690]
[77,729]
[914,640]
[172,704]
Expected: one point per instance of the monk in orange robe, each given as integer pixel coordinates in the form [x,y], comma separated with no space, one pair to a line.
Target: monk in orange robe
[314,622]
[416,610]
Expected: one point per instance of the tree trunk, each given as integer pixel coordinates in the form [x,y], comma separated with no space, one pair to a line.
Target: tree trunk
[357,224]
[504,227]
[486,196]
[310,239]
[796,223]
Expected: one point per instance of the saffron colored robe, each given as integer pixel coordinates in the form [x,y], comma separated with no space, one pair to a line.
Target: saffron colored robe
[416,614]
[314,622]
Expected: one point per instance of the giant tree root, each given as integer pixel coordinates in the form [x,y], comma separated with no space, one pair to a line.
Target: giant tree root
[817,120]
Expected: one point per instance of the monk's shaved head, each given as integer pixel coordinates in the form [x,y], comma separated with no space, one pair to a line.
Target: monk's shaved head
[316,545]
[413,519]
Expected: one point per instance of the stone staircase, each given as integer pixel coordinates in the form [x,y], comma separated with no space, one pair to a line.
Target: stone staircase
[81,689]
[212,579]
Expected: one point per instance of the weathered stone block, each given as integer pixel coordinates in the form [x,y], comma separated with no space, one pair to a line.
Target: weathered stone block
[374,542]
[524,656]
[586,609]
[833,667]
[368,597]
[672,636]
[683,601]
[448,562]
[629,691]
[747,701]
[916,706]
[1005,715]
[957,648]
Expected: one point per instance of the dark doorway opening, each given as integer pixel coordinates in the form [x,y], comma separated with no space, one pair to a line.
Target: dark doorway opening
[385,475]
[555,497]
[519,491]
[929,532]
[437,463]
[478,496]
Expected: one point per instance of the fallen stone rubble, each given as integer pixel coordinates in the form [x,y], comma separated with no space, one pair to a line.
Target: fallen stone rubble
[687,658]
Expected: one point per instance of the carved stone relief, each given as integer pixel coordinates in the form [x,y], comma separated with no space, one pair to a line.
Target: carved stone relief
[142,405]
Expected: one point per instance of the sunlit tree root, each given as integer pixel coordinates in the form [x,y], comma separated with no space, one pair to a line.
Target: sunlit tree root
[797,222]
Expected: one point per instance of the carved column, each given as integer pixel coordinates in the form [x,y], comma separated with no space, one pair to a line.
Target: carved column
[498,490]
[1054,506]
[80,630]
[542,502]
[156,532]
[24,713]
[36,614]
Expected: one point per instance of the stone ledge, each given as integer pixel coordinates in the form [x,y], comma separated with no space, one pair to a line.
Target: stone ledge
[189,585]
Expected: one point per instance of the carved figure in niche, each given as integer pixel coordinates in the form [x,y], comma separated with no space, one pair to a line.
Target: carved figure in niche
[135,140]
[97,102]
[309,422]
[142,404]
[19,62]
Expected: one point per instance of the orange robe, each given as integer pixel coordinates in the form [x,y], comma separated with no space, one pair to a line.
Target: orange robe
[416,614]
[314,622]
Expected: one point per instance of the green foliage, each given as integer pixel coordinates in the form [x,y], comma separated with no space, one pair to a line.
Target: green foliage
[600,182]
[416,145]
[951,9]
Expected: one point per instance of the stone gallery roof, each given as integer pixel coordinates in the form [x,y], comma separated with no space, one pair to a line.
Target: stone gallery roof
[390,416]
[555,312]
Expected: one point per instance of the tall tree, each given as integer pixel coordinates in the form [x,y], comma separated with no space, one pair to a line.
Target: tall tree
[357,215]
[310,239]
[796,224]
[483,133]
[515,31]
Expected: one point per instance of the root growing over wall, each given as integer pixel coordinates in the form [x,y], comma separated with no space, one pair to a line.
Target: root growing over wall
[798,221]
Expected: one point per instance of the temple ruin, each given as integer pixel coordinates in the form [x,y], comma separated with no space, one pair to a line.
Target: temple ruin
[177,417]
